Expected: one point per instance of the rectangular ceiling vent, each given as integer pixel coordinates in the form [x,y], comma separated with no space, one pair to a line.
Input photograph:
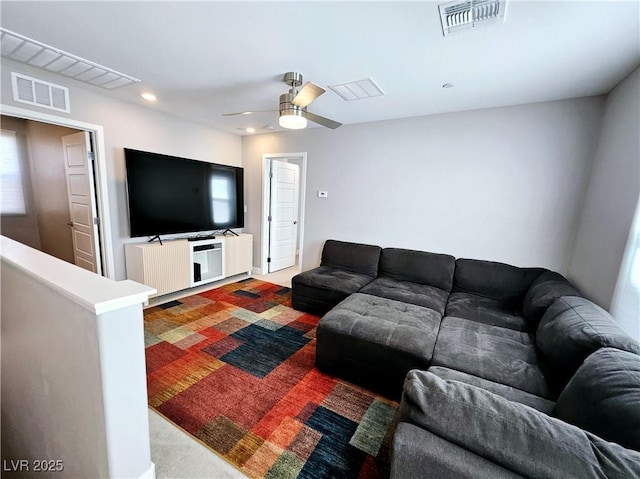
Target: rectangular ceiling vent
[458,16]
[357,90]
[32,52]
[40,93]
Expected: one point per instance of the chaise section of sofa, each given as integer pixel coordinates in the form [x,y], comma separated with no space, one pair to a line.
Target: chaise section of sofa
[374,341]
[344,269]
[389,327]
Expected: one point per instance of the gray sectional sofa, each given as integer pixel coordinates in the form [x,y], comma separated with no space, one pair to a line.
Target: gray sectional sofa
[501,371]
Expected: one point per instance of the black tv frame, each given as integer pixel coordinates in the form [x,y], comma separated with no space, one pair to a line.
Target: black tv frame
[136,229]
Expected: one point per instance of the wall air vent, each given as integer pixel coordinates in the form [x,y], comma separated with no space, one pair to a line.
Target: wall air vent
[32,52]
[462,15]
[40,93]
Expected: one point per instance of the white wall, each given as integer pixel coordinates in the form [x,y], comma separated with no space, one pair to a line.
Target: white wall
[132,126]
[73,371]
[44,354]
[612,195]
[502,184]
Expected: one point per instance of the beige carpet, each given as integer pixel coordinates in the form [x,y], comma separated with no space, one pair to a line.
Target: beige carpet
[178,456]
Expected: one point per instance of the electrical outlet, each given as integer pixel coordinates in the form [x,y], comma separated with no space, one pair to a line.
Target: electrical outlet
[323,194]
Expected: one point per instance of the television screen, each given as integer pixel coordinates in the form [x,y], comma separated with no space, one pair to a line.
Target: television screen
[169,195]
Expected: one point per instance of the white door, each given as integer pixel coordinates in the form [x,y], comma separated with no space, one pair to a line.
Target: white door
[283,215]
[81,193]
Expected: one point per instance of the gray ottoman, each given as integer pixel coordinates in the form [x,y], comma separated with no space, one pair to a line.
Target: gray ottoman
[375,342]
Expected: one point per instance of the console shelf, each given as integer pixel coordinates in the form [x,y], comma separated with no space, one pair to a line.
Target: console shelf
[207,261]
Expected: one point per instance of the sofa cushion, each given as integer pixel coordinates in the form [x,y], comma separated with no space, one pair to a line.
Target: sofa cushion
[546,288]
[603,397]
[499,281]
[318,290]
[572,329]
[414,451]
[331,279]
[419,267]
[354,257]
[498,354]
[520,438]
[375,341]
[408,292]
[485,310]
[507,392]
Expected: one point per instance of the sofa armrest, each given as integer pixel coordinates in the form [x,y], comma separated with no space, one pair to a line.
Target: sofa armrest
[548,287]
[416,452]
[510,434]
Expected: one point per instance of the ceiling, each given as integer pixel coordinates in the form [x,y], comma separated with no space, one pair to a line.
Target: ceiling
[202,59]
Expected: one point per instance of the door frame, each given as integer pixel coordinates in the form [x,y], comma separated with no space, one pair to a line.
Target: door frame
[266,161]
[100,173]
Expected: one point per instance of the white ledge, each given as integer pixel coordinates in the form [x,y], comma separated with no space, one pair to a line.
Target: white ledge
[91,291]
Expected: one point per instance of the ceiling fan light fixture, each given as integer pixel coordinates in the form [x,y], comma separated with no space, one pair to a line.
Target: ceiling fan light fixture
[293,119]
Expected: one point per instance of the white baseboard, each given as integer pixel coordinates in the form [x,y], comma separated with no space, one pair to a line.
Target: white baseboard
[256,270]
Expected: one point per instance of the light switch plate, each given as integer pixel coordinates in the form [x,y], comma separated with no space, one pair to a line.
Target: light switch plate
[323,194]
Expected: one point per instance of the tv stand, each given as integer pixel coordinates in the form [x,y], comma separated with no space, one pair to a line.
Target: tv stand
[172,267]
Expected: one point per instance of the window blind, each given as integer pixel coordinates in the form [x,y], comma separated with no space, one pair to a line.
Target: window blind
[11,182]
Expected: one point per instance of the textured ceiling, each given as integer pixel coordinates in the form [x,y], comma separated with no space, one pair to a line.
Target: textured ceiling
[202,59]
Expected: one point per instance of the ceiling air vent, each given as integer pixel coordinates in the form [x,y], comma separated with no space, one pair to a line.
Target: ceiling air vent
[357,90]
[40,93]
[458,16]
[32,52]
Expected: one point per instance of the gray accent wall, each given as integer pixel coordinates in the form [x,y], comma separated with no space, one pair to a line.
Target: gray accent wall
[503,184]
[612,195]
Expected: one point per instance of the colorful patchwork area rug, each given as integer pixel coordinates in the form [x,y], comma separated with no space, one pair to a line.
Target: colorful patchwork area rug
[234,367]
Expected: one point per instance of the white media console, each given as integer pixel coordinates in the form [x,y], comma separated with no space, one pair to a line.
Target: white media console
[181,264]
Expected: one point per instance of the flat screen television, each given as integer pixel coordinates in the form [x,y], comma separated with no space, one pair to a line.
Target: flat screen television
[168,194]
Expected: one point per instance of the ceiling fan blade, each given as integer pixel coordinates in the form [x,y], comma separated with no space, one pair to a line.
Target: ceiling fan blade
[321,120]
[309,92]
[246,112]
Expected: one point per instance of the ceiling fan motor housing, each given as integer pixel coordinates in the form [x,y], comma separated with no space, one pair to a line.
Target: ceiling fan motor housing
[288,108]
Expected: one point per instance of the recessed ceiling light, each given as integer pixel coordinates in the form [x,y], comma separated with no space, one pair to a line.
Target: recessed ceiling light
[148,96]
[447,85]
[250,130]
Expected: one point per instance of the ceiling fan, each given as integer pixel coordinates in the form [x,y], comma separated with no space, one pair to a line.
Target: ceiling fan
[293,105]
